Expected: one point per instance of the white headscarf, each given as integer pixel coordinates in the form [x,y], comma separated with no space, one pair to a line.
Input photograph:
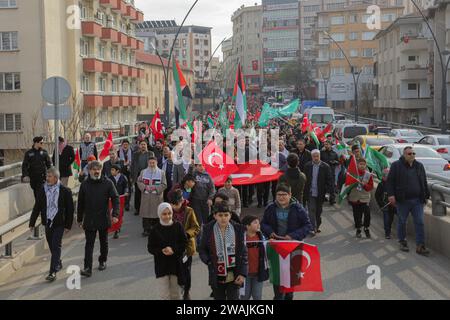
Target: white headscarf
[163,206]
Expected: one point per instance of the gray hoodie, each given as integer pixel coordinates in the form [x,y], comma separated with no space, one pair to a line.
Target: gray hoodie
[204,186]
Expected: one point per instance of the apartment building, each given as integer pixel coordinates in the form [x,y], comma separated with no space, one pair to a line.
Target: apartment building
[353,34]
[280,39]
[403,82]
[92,44]
[153,85]
[192,48]
[247,45]
[228,62]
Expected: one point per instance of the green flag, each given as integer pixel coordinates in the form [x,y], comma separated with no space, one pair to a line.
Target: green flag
[267,114]
[289,109]
[223,118]
[376,161]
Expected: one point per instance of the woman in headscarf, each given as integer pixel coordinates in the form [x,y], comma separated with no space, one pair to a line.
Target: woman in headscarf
[167,242]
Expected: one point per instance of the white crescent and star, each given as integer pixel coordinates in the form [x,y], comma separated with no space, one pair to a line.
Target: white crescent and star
[156,123]
[241,175]
[308,258]
[211,156]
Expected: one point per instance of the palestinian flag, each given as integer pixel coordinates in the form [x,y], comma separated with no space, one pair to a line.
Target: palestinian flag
[294,266]
[313,135]
[183,94]
[351,179]
[76,165]
[241,100]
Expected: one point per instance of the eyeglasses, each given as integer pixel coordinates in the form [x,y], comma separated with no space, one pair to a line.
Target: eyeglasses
[411,154]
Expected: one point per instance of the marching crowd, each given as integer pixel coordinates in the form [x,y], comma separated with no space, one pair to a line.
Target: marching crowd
[184,214]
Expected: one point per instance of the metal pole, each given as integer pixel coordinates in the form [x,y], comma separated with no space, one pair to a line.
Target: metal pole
[56,94]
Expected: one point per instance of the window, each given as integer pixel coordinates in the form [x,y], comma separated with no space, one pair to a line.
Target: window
[206,53]
[388,17]
[307,30]
[354,53]
[338,37]
[125,114]
[309,19]
[101,84]
[113,85]
[84,48]
[412,58]
[368,53]
[353,18]
[8,41]
[115,116]
[412,86]
[197,63]
[104,116]
[197,53]
[113,54]
[10,122]
[337,71]
[8,4]
[197,42]
[368,35]
[184,42]
[101,50]
[9,81]
[184,53]
[353,36]
[206,64]
[84,83]
[311,8]
[367,70]
[336,54]
[155,80]
[337,20]
[206,42]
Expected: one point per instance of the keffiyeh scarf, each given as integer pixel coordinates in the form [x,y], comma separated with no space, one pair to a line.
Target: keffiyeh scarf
[225,248]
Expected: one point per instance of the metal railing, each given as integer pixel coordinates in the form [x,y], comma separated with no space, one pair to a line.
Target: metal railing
[439,187]
[19,226]
[15,178]
[394,125]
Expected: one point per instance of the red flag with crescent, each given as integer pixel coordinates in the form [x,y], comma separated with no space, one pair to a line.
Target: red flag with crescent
[156,126]
[107,146]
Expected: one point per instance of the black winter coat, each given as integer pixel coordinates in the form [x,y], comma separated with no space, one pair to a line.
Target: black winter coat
[35,164]
[121,185]
[172,236]
[331,158]
[297,180]
[93,204]
[303,157]
[397,183]
[66,159]
[66,209]
[324,183]
[206,251]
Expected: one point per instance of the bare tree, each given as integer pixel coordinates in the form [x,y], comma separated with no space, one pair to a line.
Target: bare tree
[72,128]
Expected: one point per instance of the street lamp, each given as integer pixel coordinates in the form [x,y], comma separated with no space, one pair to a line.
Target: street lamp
[353,71]
[444,68]
[204,73]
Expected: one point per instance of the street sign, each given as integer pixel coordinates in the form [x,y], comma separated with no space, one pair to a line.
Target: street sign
[64,112]
[56,90]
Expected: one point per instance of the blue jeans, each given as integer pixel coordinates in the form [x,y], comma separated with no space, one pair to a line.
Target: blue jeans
[388,218]
[415,206]
[54,237]
[253,288]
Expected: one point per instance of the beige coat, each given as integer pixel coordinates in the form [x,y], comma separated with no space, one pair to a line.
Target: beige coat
[151,201]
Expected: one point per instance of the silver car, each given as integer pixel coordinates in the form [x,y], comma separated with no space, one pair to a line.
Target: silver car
[439,142]
[406,135]
[431,160]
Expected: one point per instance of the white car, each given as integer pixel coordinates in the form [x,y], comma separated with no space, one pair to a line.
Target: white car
[406,135]
[431,160]
[439,142]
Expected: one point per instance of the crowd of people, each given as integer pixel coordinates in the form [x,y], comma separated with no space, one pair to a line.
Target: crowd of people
[183,213]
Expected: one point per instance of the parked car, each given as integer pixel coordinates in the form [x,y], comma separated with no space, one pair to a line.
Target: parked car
[405,135]
[338,117]
[376,142]
[348,131]
[439,142]
[382,130]
[432,161]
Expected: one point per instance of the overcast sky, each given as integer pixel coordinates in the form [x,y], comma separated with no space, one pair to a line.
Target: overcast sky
[207,13]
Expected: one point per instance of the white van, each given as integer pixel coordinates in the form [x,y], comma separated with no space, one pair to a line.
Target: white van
[348,131]
[320,115]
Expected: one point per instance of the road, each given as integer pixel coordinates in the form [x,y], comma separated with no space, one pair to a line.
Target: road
[344,262]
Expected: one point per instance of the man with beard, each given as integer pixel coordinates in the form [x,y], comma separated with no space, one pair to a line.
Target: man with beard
[93,214]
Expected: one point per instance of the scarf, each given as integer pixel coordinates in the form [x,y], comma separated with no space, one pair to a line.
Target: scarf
[225,249]
[152,176]
[163,206]
[52,194]
[180,215]
[122,155]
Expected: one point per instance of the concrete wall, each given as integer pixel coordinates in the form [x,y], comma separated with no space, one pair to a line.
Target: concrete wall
[15,200]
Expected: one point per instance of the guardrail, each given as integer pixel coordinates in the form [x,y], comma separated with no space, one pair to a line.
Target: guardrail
[439,188]
[394,125]
[15,178]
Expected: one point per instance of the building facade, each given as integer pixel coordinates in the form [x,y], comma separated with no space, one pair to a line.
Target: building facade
[247,45]
[229,60]
[153,85]
[403,82]
[91,43]
[353,33]
[280,39]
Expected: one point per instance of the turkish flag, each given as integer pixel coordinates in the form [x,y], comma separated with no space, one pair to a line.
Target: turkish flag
[249,173]
[156,127]
[305,124]
[106,147]
[117,225]
[305,266]
[321,135]
[217,163]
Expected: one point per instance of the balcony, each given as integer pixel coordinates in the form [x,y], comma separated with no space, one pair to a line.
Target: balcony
[111,67]
[93,100]
[111,101]
[413,72]
[140,45]
[141,73]
[118,6]
[124,8]
[124,70]
[124,101]
[414,103]
[108,33]
[132,43]
[133,72]
[139,17]
[131,12]
[92,65]
[109,3]
[91,29]
[414,44]
[123,39]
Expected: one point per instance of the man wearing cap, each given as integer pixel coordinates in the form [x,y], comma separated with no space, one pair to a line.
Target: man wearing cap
[35,164]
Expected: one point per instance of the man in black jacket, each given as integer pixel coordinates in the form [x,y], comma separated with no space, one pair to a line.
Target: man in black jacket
[56,217]
[120,181]
[304,155]
[66,158]
[330,157]
[93,214]
[318,184]
[35,164]
[113,160]
[407,189]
